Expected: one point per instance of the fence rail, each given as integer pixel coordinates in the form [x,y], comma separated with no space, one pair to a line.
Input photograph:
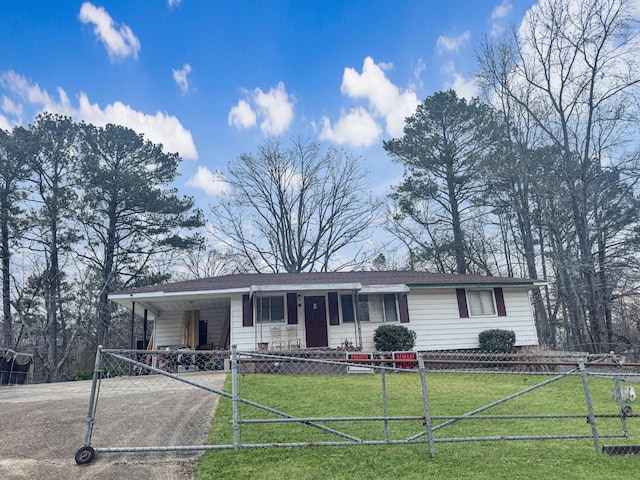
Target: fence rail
[137,387]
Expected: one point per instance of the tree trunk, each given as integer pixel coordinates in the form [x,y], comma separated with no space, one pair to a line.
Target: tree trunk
[6,279]
[458,236]
[107,278]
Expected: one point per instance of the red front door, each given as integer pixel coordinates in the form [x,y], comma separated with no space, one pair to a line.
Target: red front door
[315,322]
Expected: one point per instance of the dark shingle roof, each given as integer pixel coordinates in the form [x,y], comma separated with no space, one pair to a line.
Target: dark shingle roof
[246,280]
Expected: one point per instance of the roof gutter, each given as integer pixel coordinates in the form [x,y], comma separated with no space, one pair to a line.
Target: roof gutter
[305,288]
[530,284]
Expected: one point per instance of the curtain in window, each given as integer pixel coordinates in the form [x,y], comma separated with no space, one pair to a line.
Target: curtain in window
[481,302]
[375,308]
[390,312]
[363,308]
[190,321]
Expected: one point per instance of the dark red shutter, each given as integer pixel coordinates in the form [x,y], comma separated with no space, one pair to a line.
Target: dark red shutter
[292,308]
[403,306]
[502,310]
[334,317]
[462,303]
[247,311]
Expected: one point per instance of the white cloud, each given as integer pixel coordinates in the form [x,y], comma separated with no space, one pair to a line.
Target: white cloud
[159,127]
[499,13]
[502,10]
[180,76]
[464,87]
[385,99]
[118,39]
[32,93]
[211,183]
[452,44]
[4,123]
[357,128]
[417,72]
[274,108]
[11,107]
[174,3]
[242,115]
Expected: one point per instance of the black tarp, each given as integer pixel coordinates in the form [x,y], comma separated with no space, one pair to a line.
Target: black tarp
[14,367]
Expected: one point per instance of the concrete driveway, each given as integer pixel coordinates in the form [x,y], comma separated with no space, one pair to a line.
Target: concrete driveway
[42,426]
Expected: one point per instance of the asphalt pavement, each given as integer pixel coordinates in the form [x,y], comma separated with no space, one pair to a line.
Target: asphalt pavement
[42,427]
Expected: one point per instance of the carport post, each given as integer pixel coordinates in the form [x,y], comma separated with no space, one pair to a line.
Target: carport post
[88,423]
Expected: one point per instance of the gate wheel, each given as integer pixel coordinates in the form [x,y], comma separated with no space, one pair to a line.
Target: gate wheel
[85,455]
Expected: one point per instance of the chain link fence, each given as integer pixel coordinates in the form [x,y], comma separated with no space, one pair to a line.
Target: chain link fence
[288,398]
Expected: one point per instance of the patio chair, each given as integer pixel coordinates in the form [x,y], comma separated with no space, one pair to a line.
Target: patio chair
[277,343]
[293,341]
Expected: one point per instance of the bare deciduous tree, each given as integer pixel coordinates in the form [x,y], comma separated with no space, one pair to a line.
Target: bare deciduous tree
[293,208]
[573,69]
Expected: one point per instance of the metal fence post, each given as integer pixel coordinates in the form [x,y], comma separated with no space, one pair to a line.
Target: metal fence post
[618,396]
[427,413]
[384,403]
[93,399]
[86,453]
[587,395]
[235,396]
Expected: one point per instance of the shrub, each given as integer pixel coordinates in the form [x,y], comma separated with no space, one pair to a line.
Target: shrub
[390,338]
[497,341]
[84,375]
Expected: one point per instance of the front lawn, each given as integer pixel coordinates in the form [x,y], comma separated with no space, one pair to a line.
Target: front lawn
[449,394]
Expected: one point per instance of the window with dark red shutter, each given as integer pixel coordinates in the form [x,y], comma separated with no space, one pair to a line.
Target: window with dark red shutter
[403,306]
[462,303]
[247,311]
[292,308]
[334,318]
[502,310]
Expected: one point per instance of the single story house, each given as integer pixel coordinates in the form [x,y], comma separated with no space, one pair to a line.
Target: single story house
[331,309]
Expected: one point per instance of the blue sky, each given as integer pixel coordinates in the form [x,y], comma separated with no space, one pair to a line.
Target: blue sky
[213,79]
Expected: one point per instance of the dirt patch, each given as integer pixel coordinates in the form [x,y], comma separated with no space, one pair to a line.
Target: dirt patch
[43,426]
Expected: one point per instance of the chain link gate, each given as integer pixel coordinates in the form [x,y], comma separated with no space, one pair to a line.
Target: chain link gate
[187,384]
[135,388]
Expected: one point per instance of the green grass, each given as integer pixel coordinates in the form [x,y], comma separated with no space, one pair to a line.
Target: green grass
[449,394]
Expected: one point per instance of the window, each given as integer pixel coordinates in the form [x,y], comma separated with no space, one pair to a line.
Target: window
[481,302]
[390,310]
[271,309]
[363,308]
[346,302]
[371,308]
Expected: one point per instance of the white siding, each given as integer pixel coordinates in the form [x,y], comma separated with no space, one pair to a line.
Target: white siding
[243,337]
[168,329]
[435,318]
